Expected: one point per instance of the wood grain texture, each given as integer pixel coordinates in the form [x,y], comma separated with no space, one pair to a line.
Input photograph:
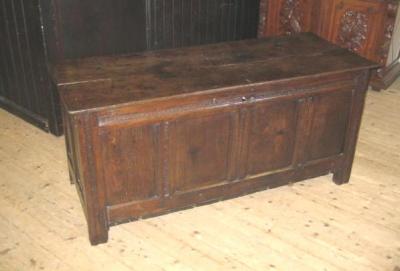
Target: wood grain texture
[308,226]
[39,33]
[154,75]
[271,136]
[363,26]
[173,129]
[285,17]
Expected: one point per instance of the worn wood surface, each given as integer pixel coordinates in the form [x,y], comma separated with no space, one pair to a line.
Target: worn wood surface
[37,34]
[162,131]
[314,225]
[101,81]
[363,26]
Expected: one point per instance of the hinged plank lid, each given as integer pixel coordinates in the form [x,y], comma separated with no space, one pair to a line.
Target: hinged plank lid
[96,82]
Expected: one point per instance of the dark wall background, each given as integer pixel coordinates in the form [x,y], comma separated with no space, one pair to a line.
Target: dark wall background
[175,23]
[35,34]
[23,72]
[95,27]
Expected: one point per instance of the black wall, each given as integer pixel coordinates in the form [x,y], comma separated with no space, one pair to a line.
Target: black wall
[23,73]
[175,23]
[35,34]
[95,27]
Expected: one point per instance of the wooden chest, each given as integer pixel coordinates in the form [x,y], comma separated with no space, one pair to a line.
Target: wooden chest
[156,132]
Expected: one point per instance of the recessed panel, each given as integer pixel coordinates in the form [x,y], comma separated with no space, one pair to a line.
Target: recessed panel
[130,163]
[271,136]
[331,117]
[202,150]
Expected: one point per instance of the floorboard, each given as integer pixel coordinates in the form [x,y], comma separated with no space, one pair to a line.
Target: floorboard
[312,225]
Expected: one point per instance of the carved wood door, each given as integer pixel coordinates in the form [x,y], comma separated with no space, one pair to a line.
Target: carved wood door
[354,24]
[285,17]
[364,26]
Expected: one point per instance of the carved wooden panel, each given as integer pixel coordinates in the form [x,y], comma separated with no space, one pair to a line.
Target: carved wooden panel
[353,30]
[291,17]
[363,26]
[285,17]
[353,24]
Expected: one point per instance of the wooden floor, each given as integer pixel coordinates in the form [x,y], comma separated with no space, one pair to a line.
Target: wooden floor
[313,225]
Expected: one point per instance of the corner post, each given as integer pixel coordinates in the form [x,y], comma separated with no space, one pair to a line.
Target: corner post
[343,171]
[94,189]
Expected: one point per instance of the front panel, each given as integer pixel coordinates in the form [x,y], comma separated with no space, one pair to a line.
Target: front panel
[167,154]
[202,148]
[271,136]
[130,163]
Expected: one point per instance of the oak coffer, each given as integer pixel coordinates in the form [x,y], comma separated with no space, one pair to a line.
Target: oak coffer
[155,132]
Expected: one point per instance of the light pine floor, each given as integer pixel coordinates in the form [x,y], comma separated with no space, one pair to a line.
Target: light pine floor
[314,225]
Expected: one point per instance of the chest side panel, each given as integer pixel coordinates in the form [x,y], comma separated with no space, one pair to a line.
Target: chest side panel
[331,112]
[130,163]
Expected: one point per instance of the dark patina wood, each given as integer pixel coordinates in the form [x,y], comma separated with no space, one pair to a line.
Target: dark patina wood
[363,26]
[36,34]
[25,88]
[160,131]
